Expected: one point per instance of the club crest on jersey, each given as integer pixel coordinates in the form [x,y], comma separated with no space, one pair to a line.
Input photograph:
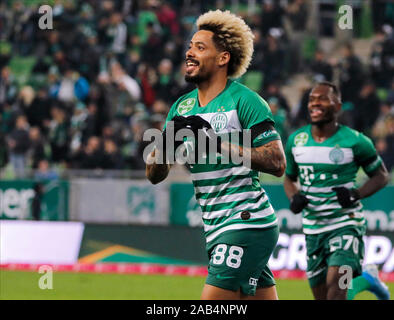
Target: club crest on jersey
[336,155]
[301,139]
[186,105]
[219,121]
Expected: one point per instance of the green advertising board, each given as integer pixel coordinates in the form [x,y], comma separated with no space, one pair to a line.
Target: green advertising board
[16,197]
[378,209]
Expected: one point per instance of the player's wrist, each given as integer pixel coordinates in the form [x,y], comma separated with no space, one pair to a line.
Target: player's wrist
[355,195]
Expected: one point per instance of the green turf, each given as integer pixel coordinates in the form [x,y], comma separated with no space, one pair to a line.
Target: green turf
[24,285]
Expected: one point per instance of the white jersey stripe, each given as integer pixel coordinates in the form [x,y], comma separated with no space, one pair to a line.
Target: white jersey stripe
[220,187]
[334,226]
[325,189]
[240,207]
[308,222]
[253,215]
[220,173]
[229,198]
[239,226]
[320,155]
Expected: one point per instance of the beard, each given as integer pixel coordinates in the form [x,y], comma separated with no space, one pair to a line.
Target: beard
[194,79]
[330,117]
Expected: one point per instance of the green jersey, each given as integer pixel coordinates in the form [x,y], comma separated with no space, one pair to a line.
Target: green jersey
[225,191]
[322,166]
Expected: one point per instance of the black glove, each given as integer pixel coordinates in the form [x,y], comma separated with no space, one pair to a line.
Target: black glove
[196,123]
[179,123]
[346,197]
[298,202]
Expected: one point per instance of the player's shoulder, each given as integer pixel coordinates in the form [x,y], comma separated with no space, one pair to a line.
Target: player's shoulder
[240,92]
[187,95]
[352,135]
[302,132]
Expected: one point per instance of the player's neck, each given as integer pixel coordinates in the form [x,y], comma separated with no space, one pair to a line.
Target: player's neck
[210,89]
[321,132]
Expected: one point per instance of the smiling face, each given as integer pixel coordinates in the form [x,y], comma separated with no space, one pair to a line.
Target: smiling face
[323,105]
[203,59]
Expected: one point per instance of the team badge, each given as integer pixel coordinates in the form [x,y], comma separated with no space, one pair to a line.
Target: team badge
[336,155]
[219,121]
[186,105]
[301,139]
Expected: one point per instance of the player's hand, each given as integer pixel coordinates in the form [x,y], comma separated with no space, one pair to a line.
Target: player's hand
[196,123]
[346,197]
[179,123]
[298,202]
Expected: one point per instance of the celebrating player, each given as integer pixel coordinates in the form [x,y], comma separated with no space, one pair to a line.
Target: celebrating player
[325,157]
[239,222]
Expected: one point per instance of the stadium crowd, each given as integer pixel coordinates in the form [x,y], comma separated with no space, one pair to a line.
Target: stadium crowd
[81,95]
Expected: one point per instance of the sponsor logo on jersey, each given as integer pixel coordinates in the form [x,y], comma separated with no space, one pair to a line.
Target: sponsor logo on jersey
[186,105]
[336,155]
[219,121]
[301,139]
[253,282]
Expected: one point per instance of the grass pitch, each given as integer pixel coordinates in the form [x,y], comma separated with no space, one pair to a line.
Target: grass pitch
[20,285]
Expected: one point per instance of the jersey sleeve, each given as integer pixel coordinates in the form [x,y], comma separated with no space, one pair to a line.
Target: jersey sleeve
[291,165]
[365,154]
[254,110]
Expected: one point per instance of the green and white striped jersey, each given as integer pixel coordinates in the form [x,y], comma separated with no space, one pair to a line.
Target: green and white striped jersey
[224,191]
[322,166]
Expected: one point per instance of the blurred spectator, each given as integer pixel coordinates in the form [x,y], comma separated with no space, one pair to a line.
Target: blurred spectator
[36,202]
[3,151]
[44,172]
[296,17]
[59,135]
[37,147]
[164,87]
[117,35]
[366,104]
[8,88]
[38,113]
[382,57]
[121,91]
[19,144]
[257,62]
[91,155]
[89,121]
[271,16]
[71,87]
[381,128]
[112,159]
[385,145]
[350,75]
[274,60]
[321,68]
[273,91]
[280,118]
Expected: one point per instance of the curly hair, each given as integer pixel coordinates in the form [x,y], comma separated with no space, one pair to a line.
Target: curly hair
[231,34]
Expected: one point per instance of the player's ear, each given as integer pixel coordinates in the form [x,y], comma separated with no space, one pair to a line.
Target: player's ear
[224,58]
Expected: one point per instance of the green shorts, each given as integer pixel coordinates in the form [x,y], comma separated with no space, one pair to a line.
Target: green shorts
[339,247]
[239,259]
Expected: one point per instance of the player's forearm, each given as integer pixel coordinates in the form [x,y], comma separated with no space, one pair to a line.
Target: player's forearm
[156,172]
[374,183]
[269,158]
[291,187]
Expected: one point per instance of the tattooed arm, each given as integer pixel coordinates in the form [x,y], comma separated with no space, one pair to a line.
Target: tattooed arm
[269,158]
